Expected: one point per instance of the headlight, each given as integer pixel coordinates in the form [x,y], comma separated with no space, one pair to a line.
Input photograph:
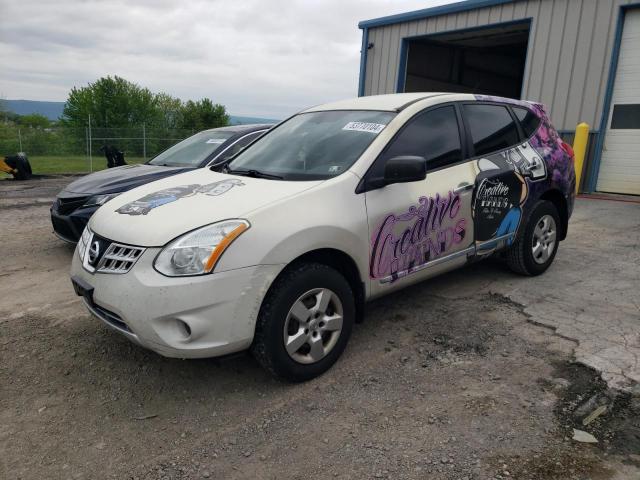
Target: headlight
[197,252]
[98,200]
[84,242]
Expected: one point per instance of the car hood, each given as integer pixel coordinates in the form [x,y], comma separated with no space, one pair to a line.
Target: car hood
[154,214]
[118,179]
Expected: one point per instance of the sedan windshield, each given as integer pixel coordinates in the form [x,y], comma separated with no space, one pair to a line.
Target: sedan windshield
[192,151]
[312,146]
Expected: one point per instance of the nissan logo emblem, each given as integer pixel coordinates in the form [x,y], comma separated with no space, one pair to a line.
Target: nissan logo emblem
[94,252]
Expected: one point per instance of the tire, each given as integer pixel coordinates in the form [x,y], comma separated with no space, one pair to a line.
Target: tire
[23,168]
[28,167]
[304,286]
[520,255]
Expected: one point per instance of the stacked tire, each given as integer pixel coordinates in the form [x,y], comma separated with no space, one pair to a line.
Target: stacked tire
[21,166]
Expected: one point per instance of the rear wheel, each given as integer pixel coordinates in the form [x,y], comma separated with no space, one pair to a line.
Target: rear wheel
[537,243]
[304,323]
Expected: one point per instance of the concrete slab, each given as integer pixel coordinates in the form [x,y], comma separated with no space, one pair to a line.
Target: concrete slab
[591,294]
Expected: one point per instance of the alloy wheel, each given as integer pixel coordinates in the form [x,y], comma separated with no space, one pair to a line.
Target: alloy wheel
[544,239]
[313,325]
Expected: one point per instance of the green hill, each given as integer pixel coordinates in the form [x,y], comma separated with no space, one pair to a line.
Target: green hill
[53,111]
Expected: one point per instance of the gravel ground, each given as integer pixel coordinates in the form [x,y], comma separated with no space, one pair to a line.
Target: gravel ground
[429,387]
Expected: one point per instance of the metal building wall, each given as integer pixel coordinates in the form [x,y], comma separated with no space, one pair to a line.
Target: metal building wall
[568,58]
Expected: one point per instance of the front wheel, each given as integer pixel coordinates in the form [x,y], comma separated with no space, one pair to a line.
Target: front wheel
[536,245]
[304,323]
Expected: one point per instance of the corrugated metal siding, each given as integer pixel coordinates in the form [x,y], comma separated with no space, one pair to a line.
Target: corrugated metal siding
[567,64]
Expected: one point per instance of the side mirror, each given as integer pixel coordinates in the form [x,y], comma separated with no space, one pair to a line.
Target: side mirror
[407,168]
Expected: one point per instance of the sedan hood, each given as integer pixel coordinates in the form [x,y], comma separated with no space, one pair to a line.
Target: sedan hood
[118,179]
[154,214]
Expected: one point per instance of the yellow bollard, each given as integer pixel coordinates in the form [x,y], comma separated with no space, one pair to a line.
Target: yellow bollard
[580,150]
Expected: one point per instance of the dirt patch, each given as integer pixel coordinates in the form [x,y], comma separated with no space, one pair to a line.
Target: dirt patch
[40,186]
[80,399]
[580,392]
[430,386]
[557,462]
[617,428]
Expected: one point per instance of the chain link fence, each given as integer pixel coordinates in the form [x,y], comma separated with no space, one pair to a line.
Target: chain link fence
[81,150]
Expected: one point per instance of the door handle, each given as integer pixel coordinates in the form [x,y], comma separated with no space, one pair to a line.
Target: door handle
[463,187]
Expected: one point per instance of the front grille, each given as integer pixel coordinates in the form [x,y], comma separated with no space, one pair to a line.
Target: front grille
[65,206]
[104,256]
[119,258]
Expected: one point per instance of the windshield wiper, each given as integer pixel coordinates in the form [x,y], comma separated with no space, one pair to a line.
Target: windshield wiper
[254,174]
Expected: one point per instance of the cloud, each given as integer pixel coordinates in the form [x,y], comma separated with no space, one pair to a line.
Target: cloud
[269,58]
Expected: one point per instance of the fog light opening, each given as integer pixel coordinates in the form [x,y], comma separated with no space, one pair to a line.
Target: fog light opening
[184,329]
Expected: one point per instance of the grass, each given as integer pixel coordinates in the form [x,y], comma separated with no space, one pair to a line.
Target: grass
[47,165]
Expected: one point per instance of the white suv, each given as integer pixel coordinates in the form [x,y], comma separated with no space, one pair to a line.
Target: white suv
[279,250]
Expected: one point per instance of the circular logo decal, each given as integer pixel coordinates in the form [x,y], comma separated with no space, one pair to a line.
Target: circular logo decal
[94,252]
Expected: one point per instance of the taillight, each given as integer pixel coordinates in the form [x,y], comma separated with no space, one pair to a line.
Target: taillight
[567,148]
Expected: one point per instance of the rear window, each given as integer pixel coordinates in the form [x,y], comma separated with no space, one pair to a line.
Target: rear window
[492,128]
[529,121]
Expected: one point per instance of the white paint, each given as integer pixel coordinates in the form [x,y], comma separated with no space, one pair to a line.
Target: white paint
[620,161]
[287,219]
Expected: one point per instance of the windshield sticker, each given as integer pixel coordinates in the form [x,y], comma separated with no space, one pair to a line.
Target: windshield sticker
[374,128]
[335,168]
[216,140]
[144,205]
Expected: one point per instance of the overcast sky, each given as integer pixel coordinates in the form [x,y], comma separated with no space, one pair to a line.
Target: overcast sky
[265,58]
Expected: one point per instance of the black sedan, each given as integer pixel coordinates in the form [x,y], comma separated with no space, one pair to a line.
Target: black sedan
[80,199]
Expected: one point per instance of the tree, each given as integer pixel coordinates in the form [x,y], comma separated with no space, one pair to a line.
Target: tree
[112,102]
[169,111]
[34,120]
[123,113]
[203,114]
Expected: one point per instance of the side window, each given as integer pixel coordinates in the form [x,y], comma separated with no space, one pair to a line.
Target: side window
[433,135]
[529,121]
[239,145]
[491,127]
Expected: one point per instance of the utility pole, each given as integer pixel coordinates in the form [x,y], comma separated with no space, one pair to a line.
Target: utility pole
[144,142]
[90,145]
[20,139]
[86,138]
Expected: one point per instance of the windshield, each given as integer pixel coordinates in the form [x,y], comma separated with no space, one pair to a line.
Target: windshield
[192,151]
[313,146]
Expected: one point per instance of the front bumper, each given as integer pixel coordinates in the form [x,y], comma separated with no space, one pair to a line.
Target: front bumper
[69,227]
[188,317]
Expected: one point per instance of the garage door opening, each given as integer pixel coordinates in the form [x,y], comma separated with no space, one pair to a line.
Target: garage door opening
[487,61]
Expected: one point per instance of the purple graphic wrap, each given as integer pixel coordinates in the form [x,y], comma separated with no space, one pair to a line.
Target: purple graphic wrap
[548,144]
[426,231]
[507,186]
